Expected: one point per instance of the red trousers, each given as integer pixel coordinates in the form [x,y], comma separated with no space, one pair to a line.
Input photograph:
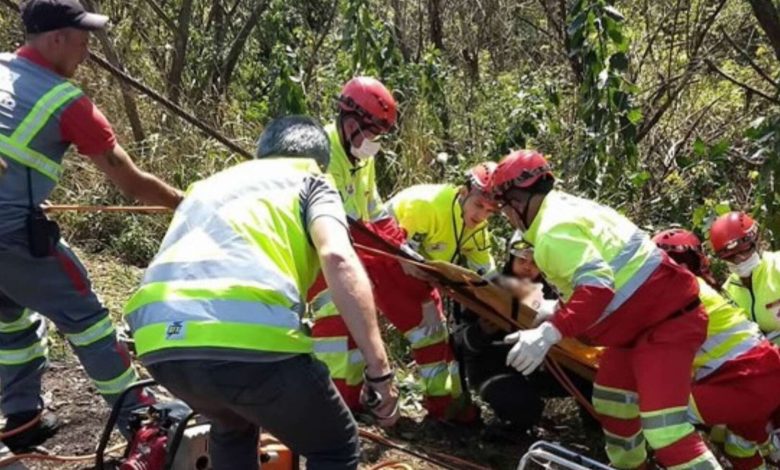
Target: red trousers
[400,299]
[643,384]
[743,394]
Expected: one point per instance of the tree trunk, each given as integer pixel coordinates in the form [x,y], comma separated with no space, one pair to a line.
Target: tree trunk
[237,47]
[182,37]
[769,19]
[399,29]
[127,94]
[436,24]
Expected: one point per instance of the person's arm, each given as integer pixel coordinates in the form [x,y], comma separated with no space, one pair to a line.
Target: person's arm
[85,126]
[568,253]
[351,291]
[135,183]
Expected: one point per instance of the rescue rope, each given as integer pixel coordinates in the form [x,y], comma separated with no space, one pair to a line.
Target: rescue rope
[453,463]
[87,208]
[22,428]
[56,458]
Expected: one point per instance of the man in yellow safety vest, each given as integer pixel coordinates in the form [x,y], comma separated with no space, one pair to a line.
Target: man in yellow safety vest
[217,317]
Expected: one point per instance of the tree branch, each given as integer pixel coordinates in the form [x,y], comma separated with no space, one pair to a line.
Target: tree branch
[747,57]
[769,20]
[740,84]
[325,30]
[165,18]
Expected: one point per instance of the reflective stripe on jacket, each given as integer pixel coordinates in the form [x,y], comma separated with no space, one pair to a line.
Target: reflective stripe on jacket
[234,266]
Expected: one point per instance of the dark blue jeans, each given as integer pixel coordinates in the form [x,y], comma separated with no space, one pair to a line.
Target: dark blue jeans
[293,399]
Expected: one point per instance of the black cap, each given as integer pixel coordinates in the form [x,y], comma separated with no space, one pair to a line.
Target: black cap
[40,16]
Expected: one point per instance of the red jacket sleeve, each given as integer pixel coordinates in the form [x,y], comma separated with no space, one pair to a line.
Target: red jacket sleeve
[85,126]
[583,309]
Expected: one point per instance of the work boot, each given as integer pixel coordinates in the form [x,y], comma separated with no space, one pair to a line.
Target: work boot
[35,435]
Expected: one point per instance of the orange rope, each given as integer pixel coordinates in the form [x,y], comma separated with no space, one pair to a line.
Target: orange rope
[563,378]
[22,428]
[81,208]
[449,460]
[55,458]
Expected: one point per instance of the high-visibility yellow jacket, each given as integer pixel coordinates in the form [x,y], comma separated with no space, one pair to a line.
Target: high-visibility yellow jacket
[761,302]
[356,183]
[729,333]
[231,275]
[580,244]
[432,216]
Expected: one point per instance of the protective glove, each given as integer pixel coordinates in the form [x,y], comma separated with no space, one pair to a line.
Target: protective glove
[380,397]
[531,346]
[544,311]
[433,322]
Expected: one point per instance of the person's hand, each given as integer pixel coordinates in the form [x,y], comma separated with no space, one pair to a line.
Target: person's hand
[433,322]
[3,167]
[531,346]
[545,311]
[380,397]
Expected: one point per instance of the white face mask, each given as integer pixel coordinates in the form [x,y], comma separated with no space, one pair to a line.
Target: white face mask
[745,268]
[367,149]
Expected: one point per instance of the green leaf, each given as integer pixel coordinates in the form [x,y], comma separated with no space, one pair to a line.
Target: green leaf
[720,148]
[722,208]
[614,13]
[699,148]
[635,116]
[640,179]
[619,62]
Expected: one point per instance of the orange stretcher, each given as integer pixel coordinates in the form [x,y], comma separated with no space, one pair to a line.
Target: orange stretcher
[498,306]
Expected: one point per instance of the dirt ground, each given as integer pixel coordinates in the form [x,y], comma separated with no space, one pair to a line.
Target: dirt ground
[69,393]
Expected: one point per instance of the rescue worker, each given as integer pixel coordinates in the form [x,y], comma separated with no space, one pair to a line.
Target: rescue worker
[367,111]
[736,371]
[41,114]
[447,222]
[754,283]
[621,292]
[217,317]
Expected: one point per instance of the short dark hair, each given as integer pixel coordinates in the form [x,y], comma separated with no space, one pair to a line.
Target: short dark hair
[296,137]
[543,185]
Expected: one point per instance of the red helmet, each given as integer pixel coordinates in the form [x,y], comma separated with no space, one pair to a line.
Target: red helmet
[733,233]
[369,99]
[521,169]
[677,241]
[479,176]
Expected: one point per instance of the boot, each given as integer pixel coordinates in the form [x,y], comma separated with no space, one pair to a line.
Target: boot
[34,436]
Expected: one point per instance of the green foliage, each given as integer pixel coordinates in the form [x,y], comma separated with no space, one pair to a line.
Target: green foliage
[596,37]
[613,91]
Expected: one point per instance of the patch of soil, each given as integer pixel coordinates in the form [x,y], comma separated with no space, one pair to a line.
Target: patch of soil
[70,394]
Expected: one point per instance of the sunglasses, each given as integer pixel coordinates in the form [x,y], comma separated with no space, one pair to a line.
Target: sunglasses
[372,123]
[524,176]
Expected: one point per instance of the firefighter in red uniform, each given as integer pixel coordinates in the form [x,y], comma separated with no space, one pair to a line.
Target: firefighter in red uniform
[367,110]
[736,371]
[621,292]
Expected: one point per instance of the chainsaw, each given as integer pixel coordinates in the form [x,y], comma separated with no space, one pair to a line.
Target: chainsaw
[171,436]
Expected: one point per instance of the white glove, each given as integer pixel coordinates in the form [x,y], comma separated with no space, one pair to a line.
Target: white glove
[531,346]
[432,319]
[545,310]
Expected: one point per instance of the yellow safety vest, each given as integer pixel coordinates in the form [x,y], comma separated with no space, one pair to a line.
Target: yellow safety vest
[234,267]
[761,303]
[433,219]
[578,242]
[356,183]
[729,333]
